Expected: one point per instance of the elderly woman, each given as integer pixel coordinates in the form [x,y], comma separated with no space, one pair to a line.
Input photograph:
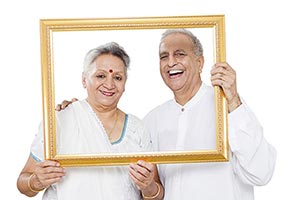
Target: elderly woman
[95,125]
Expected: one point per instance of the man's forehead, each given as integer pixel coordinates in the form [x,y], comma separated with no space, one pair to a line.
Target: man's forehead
[175,42]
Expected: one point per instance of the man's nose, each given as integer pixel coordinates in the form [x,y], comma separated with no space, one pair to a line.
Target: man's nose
[172,61]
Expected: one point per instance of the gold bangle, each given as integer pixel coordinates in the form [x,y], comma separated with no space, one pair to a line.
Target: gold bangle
[29,185]
[154,196]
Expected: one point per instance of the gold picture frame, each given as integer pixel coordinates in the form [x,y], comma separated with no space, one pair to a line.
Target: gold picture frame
[50,27]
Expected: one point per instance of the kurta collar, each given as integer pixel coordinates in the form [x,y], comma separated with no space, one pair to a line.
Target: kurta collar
[196,98]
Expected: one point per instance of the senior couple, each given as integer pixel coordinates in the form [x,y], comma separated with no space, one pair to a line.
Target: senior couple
[96,125]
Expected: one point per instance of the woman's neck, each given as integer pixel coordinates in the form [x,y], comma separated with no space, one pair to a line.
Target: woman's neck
[104,112]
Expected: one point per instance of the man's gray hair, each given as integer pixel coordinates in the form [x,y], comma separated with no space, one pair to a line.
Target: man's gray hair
[112,48]
[197,46]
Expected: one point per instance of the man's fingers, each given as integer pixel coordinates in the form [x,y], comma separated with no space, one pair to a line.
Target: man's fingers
[58,107]
[65,104]
[74,99]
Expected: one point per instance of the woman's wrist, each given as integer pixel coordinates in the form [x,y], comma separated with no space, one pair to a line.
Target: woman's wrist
[152,195]
[32,187]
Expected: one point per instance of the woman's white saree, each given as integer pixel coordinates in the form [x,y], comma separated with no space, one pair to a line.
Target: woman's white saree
[79,131]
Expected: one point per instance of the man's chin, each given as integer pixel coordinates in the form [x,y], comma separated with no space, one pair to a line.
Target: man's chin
[174,87]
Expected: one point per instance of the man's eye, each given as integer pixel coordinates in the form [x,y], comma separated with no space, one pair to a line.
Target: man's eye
[163,57]
[180,54]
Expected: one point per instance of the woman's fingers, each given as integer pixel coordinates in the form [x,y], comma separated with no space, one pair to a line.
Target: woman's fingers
[142,173]
[49,172]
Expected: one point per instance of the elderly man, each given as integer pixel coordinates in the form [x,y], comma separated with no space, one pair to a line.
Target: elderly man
[186,123]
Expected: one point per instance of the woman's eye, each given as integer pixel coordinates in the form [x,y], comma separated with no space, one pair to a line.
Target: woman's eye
[100,76]
[118,78]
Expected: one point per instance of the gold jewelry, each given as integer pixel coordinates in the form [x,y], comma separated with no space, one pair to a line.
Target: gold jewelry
[116,120]
[154,196]
[29,185]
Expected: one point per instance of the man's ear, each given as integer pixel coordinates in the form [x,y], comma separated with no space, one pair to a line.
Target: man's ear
[83,79]
[201,63]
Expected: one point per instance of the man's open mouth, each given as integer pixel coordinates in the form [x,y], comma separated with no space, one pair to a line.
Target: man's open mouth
[175,72]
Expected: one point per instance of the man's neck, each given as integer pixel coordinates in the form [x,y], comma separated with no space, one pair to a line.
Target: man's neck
[182,97]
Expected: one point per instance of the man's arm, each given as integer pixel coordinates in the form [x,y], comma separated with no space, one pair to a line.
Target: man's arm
[253,157]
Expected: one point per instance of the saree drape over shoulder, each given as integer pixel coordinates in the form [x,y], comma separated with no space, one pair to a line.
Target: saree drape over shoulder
[79,131]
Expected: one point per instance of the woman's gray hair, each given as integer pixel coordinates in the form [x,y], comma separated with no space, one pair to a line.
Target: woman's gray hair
[112,48]
[197,46]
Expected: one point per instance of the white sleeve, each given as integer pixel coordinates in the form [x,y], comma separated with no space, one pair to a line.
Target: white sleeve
[150,124]
[253,158]
[37,146]
[144,134]
[146,141]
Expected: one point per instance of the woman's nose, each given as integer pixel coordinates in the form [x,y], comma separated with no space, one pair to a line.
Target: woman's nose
[109,83]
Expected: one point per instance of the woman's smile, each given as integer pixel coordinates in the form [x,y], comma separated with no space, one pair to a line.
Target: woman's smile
[109,94]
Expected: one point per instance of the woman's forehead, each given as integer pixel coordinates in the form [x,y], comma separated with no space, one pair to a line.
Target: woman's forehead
[107,62]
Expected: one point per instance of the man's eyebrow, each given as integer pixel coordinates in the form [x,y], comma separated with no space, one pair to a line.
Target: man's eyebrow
[179,50]
[164,52]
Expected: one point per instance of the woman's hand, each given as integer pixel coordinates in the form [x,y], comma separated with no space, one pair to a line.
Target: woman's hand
[145,177]
[46,173]
[142,173]
[36,176]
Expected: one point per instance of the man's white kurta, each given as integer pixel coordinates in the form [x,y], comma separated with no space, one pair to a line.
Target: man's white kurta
[192,127]
[80,132]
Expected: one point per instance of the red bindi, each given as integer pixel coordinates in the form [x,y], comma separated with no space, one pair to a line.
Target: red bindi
[110,71]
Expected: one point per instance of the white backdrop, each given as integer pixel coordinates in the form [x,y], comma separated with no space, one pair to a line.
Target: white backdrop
[262,40]
[145,88]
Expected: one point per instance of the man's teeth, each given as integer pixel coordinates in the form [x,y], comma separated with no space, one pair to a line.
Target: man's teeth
[172,72]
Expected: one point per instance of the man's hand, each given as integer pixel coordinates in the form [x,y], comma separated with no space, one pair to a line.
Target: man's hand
[223,75]
[64,104]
